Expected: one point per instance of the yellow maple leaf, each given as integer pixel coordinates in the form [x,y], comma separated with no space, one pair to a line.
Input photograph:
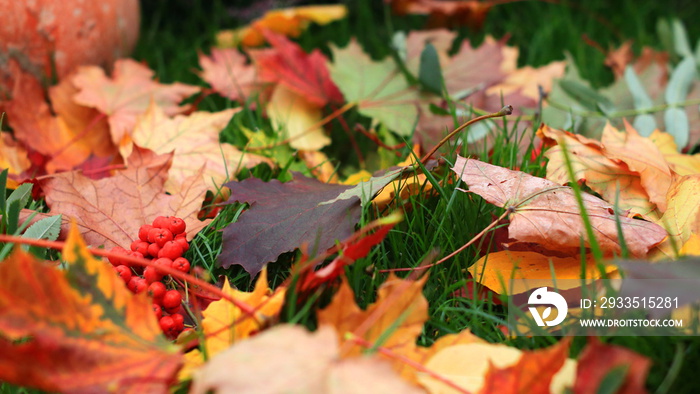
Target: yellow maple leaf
[691,247]
[610,178]
[298,118]
[288,21]
[512,272]
[221,326]
[642,156]
[680,163]
[682,217]
[410,186]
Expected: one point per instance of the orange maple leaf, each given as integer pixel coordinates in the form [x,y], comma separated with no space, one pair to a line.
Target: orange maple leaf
[194,142]
[393,322]
[66,140]
[611,178]
[127,94]
[228,73]
[79,329]
[533,373]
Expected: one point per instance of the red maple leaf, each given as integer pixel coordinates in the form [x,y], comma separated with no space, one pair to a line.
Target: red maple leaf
[305,73]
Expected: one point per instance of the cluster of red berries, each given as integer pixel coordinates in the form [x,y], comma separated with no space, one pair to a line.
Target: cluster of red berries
[163,242]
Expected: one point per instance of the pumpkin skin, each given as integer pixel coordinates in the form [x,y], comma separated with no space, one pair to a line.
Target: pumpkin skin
[46,35]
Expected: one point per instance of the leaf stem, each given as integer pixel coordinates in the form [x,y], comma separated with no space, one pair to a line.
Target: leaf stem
[507,110]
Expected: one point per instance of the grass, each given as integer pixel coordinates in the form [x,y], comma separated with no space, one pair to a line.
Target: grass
[442,221]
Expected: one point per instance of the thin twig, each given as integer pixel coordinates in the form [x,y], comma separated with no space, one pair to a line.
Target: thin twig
[442,260]
[507,110]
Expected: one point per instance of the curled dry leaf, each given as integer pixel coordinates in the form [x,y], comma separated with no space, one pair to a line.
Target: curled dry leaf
[682,216]
[110,211]
[79,329]
[547,213]
[288,358]
[681,164]
[642,156]
[608,177]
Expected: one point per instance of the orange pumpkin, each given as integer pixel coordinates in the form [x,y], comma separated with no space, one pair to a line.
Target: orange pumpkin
[47,36]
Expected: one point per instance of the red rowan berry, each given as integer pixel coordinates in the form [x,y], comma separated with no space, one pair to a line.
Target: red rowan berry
[153,250]
[182,241]
[176,225]
[164,261]
[158,311]
[140,246]
[143,232]
[137,284]
[179,321]
[160,236]
[161,222]
[181,264]
[168,326]
[118,250]
[123,272]
[152,275]
[157,290]
[171,250]
[172,299]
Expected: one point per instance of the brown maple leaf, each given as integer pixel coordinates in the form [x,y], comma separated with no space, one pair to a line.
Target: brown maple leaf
[547,213]
[111,210]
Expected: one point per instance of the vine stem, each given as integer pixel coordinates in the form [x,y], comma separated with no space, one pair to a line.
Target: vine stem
[507,110]
[59,245]
[417,366]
